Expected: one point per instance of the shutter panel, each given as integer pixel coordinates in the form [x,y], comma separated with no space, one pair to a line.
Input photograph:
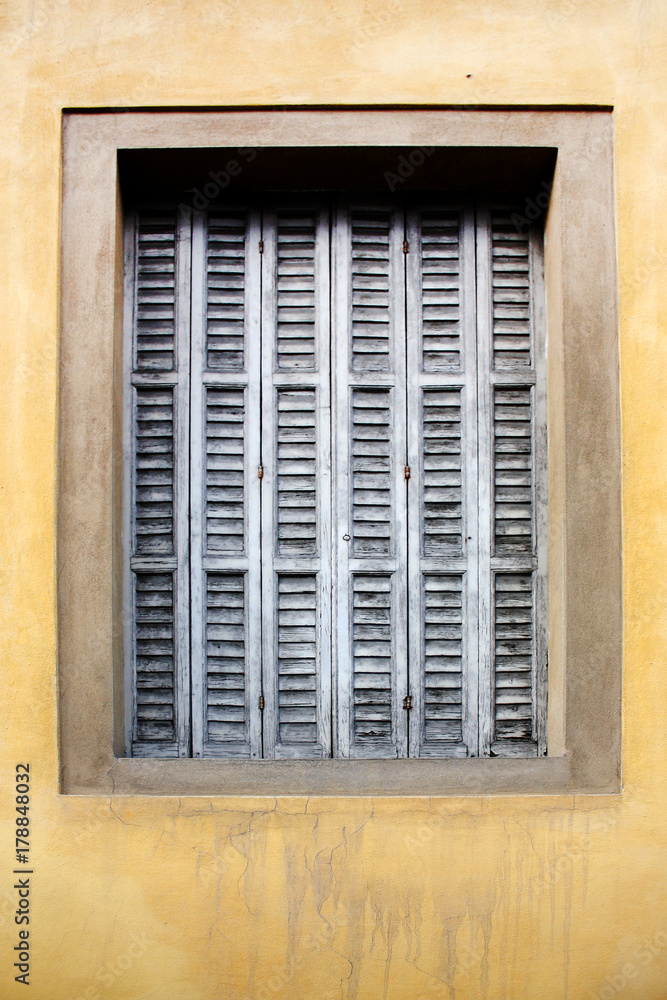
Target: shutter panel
[296,532]
[513,508]
[225,529]
[155,486]
[370,525]
[442,490]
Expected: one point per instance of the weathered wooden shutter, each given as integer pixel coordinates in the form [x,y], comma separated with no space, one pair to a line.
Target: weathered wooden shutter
[296,484]
[225,498]
[438,539]
[442,490]
[513,460]
[370,486]
[155,484]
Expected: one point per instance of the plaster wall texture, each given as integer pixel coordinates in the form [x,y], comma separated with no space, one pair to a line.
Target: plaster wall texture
[140,898]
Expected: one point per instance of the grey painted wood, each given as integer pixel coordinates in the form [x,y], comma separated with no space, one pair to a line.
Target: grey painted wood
[433,585]
[484,449]
[538,305]
[156,488]
[129,686]
[182,489]
[442,489]
[513,503]
[296,484]
[370,521]
[225,489]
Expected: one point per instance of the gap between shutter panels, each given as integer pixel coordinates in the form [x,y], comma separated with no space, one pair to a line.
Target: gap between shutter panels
[513,514]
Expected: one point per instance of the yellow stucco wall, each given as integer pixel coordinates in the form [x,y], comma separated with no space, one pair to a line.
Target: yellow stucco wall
[527,898]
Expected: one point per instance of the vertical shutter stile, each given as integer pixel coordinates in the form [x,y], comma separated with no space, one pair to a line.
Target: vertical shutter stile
[442,490]
[513,502]
[296,484]
[370,520]
[225,500]
[155,483]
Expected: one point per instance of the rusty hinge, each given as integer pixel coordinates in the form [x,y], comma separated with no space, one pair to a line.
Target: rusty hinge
[261,702]
[407,703]
[260,471]
[407,472]
[261,246]
[406,246]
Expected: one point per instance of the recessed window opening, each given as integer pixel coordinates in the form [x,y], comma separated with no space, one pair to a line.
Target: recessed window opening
[335,478]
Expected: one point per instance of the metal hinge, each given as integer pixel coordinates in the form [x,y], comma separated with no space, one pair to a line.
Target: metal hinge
[407,472]
[261,702]
[261,246]
[260,471]
[407,703]
[406,246]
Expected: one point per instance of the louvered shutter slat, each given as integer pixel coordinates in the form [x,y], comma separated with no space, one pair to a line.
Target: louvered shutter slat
[373,527]
[297,510]
[370,290]
[154,471]
[226,659]
[225,531]
[225,469]
[155,290]
[513,468]
[297,660]
[155,660]
[442,490]
[513,654]
[225,291]
[511,291]
[155,487]
[296,533]
[295,290]
[373,614]
[438,250]
[443,681]
[442,456]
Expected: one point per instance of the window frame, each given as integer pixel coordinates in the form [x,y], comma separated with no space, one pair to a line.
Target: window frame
[585,615]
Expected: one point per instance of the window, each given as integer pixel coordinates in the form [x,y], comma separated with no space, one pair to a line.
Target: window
[113,160]
[335,487]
